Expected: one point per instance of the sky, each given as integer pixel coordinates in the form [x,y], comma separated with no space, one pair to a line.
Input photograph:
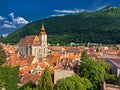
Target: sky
[17,13]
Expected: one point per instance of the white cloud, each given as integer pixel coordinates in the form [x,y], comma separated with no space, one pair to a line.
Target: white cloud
[2,18]
[18,20]
[11,23]
[85,10]
[8,22]
[12,15]
[8,26]
[58,15]
[67,11]
[101,7]
[72,11]
[4,35]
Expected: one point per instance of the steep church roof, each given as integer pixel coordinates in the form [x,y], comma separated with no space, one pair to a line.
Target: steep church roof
[29,40]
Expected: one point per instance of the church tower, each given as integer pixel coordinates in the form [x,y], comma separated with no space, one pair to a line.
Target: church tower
[43,41]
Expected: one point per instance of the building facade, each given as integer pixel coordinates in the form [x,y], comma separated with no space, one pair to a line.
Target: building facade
[35,45]
[114,65]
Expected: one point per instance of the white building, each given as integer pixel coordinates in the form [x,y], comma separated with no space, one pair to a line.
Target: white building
[34,45]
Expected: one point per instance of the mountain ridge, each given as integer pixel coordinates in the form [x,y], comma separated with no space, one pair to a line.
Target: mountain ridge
[100,27]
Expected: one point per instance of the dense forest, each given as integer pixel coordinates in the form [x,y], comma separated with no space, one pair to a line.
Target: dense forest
[101,26]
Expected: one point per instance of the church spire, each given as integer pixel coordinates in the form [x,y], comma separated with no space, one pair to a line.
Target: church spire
[43,41]
[43,30]
[43,27]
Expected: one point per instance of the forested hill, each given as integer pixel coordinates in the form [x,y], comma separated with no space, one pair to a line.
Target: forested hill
[101,26]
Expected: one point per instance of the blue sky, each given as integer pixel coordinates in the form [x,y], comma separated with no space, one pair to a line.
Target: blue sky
[37,9]
[17,13]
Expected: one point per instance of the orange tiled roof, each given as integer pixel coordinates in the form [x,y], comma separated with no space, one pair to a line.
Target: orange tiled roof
[42,65]
[23,63]
[27,69]
[58,66]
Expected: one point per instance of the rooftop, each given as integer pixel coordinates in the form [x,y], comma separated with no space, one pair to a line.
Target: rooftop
[116,62]
[29,40]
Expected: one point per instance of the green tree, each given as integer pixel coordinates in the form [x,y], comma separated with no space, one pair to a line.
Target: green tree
[9,77]
[73,83]
[28,88]
[95,71]
[2,56]
[84,55]
[97,49]
[2,81]
[28,85]
[45,82]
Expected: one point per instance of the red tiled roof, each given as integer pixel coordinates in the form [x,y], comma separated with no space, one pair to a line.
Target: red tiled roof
[26,60]
[30,77]
[29,40]
[57,48]
[29,58]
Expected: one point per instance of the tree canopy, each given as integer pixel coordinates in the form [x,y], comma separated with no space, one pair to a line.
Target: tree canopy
[28,86]
[2,56]
[9,77]
[45,82]
[95,71]
[84,55]
[73,83]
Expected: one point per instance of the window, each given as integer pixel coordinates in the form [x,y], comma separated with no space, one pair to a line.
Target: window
[44,50]
[39,50]
[35,49]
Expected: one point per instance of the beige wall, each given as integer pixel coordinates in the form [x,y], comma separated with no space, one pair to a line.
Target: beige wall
[59,74]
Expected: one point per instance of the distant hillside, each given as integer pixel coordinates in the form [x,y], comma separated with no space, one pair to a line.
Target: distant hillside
[99,27]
